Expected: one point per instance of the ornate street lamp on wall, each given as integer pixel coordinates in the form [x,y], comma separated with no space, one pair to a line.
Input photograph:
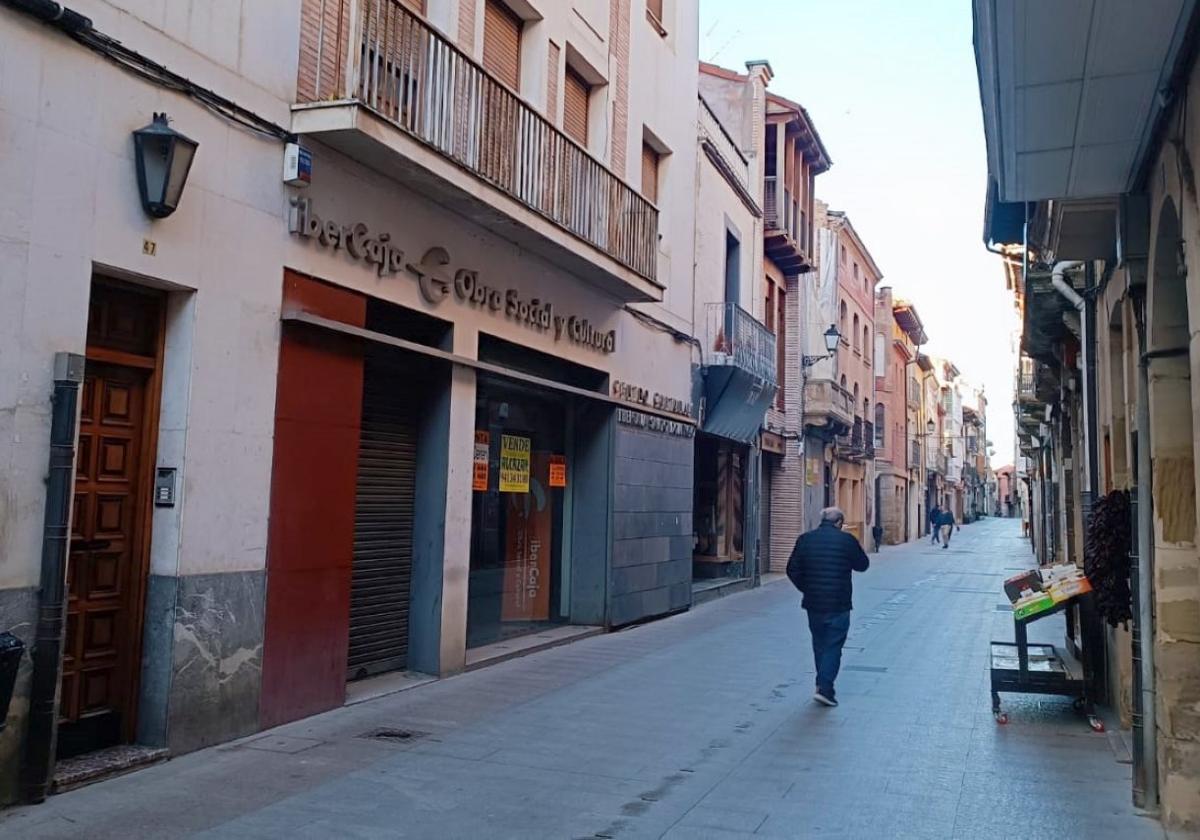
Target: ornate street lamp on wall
[832,337]
[163,157]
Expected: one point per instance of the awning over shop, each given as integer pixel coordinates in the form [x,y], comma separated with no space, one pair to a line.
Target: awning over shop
[736,401]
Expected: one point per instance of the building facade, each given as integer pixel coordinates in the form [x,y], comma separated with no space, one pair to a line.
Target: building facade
[899,335]
[1106,286]
[784,156]
[438,397]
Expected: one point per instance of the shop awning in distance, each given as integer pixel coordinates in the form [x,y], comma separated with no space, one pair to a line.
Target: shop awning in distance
[736,401]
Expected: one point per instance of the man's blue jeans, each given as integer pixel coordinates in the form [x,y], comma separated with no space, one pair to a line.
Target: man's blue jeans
[828,636]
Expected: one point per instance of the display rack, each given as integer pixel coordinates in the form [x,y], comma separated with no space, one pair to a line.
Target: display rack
[1021,668]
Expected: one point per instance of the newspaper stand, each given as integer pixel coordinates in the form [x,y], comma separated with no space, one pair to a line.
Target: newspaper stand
[1021,668]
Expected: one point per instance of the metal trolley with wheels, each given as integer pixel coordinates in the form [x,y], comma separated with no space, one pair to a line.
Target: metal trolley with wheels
[1021,668]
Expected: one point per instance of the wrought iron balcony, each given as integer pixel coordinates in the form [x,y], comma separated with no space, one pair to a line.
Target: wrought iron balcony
[856,445]
[379,56]
[735,337]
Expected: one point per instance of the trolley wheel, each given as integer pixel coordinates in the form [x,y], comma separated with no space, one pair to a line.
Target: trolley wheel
[1096,724]
[1002,718]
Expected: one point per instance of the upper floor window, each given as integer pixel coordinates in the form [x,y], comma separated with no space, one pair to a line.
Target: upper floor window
[866,345]
[650,164]
[854,335]
[856,272]
[502,43]
[842,320]
[577,94]
[880,416]
[654,13]
[843,255]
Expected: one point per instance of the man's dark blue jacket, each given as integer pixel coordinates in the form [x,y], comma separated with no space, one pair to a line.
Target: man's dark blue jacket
[820,567]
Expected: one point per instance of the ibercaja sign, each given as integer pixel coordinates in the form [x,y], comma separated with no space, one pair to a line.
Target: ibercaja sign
[437,282]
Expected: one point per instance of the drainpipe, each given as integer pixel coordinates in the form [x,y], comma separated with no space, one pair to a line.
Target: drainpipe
[1146,759]
[47,650]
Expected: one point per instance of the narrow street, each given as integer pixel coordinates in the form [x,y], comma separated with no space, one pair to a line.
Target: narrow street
[696,726]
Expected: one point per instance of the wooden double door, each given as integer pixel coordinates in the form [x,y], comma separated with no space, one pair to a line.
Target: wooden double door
[106,566]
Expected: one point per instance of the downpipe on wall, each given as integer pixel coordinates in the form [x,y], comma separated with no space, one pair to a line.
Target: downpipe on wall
[42,729]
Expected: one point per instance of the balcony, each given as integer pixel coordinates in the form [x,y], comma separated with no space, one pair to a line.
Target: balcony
[1026,387]
[740,377]
[786,228]
[383,87]
[827,404]
[857,443]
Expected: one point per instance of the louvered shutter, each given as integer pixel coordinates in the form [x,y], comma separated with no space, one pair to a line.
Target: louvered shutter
[655,8]
[575,107]
[502,43]
[649,173]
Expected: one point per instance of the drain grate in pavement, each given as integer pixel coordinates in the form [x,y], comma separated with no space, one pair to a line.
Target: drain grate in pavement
[392,735]
[870,669]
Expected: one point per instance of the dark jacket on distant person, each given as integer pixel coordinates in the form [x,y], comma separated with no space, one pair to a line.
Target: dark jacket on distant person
[820,567]
[947,518]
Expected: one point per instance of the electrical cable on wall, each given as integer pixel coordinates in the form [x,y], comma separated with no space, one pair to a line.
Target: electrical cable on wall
[79,28]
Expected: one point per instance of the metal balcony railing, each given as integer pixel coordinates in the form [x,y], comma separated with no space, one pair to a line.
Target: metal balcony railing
[781,210]
[381,55]
[735,337]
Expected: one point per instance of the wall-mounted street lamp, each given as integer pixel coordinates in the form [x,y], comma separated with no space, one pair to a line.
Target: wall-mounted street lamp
[832,337]
[163,157]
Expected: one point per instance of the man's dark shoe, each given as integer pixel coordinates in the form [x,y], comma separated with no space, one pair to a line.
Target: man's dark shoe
[824,698]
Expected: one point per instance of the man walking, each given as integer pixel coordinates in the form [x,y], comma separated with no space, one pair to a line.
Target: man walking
[935,525]
[947,522]
[820,568]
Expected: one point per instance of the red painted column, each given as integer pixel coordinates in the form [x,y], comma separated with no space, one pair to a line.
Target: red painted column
[310,538]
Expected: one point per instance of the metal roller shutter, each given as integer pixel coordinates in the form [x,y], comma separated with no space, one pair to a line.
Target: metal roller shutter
[381,576]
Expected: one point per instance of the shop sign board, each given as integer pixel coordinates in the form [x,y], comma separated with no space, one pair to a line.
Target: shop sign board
[482,451]
[514,464]
[637,395]
[558,470]
[527,550]
[654,423]
[436,282]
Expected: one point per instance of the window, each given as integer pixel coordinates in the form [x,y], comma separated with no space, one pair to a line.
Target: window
[733,259]
[880,361]
[855,396]
[842,321]
[654,13]
[856,271]
[843,255]
[880,416]
[854,335]
[576,93]
[843,383]
[502,43]
[866,339]
[650,161]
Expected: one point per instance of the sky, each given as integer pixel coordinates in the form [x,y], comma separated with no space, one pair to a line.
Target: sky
[891,87]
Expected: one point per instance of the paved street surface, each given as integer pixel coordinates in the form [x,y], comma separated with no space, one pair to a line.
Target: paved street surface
[699,726]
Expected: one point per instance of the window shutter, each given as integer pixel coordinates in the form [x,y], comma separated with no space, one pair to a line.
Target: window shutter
[649,173]
[575,107]
[502,43]
[417,6]
[655,8]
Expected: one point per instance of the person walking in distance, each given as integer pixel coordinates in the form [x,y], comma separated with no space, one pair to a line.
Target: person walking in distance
[820,567]
[935,525]
[947,527]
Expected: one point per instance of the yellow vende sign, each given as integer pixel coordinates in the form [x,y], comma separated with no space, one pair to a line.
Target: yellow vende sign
[514,464]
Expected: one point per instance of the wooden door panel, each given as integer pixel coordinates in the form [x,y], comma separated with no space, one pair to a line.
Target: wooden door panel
[98,658]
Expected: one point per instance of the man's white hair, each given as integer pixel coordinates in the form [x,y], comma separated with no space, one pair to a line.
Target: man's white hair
[833,515]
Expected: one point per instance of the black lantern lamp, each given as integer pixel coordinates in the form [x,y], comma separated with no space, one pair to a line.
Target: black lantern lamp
[930,426]
[163,157]
[832,337]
